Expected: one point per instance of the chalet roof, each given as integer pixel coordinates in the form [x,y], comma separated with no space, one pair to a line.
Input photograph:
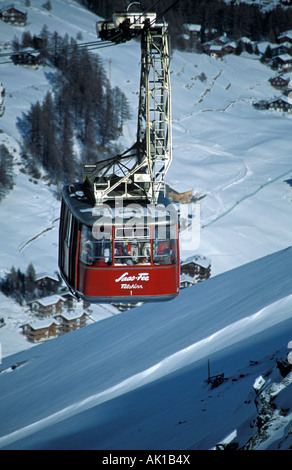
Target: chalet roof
[288,34]
[27,50]
[197,259]
[193,27]
[186,278]
[222,39]
[246,40]
[41,324]
[283,98]
[40,276]
[284,57]
[12,6]
[230,44]
[215,48]
[46,301]
[279,77]
[71,315]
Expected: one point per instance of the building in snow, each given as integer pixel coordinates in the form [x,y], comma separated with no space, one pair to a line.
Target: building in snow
[175,195]
[186,281]
[27,56]
[13,15]
[197,267]
[70,321]
[282,62]
[44,329]
[279,82]
[285,37]
[41,330]
[283,104]
[46,306]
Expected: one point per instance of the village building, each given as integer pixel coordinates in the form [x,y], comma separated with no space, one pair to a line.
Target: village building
[285,37]
[197,267]
[44,328]
[13,15]
[230,48]
[70,321]
[216,51]
[175,196]
[283,62]
[41,330]
[186,281]
[222,40]
[27,56]
[70,302]
[46,281]
[279,82]
[261,104]
[278,49]
[282,104]
[46,306]
[192,34]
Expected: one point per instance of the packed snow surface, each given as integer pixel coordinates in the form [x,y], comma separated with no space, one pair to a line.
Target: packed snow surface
[137,380]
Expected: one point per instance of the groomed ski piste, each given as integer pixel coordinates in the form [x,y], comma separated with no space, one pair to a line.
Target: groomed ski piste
[138,380]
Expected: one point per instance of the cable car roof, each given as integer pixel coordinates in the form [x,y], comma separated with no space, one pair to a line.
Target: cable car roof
[81,203]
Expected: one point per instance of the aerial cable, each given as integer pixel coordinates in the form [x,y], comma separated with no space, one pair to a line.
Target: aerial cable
[90,45]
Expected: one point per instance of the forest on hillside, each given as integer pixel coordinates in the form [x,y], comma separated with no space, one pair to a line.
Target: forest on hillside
[76,123]
[215,16]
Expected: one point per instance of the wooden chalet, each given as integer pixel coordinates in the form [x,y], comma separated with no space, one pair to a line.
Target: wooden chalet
[279,82]
[221,41]
[70,321]
[283,61]
[175,196]
[13,15]
[197,267]
[229,48]
[41,330]
[283,104]
[46,281]
[186,281]
[69,301]
[285,37]
[192,34]
[27,56]
[46,306]
[216,50]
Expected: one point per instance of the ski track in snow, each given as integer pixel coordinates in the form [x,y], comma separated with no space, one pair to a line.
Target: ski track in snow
[227,336]
[26,244]
[247,196]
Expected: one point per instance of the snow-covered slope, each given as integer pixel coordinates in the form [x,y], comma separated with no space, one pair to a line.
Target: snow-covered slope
[137,380]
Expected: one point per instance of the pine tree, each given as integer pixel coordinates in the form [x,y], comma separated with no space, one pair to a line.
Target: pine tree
[30,278]
[66,149]
[6,171]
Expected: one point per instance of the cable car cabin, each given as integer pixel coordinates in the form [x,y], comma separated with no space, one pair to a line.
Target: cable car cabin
[127,253]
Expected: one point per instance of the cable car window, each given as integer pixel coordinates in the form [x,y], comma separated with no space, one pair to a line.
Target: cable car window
[68,228]
[132,245]
[132,232]
[94,252]
[164,248]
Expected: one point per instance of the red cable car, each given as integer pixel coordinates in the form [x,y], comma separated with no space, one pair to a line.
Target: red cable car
[118,239]
[125,256]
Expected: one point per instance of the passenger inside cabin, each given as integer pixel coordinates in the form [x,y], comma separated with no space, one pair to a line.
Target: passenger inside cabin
[95,252]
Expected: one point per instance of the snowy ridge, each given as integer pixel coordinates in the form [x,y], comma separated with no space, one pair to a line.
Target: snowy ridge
[137,380]
[259,321]
[114,365]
